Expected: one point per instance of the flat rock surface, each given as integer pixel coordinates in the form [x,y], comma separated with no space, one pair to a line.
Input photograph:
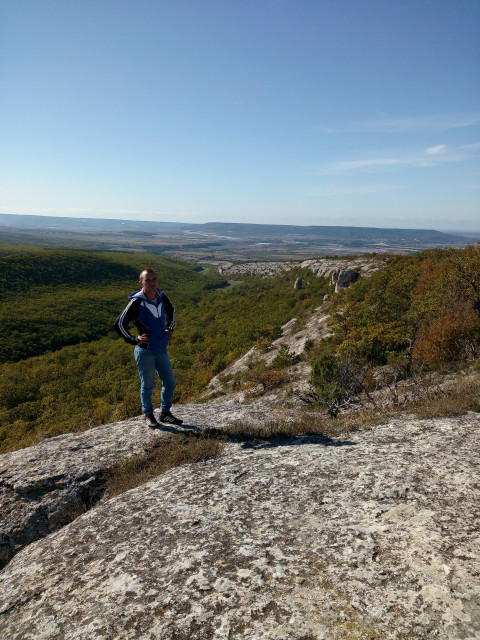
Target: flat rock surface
[44,487]
[372,536]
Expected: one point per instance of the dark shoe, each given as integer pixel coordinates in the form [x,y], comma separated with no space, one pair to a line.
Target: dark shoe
[152,421]
[169,418]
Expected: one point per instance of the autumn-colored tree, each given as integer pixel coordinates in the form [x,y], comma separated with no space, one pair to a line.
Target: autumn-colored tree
[449,337]
[424,309]
[446,307]
[467,266]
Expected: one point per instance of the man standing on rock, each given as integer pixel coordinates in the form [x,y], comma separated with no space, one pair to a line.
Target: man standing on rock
[154,317]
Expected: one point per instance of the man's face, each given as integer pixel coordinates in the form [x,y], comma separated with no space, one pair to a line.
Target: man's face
[149,282]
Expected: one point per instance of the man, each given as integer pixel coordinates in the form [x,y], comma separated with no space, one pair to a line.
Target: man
[154,317]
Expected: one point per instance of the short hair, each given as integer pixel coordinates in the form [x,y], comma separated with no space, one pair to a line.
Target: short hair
[145,271]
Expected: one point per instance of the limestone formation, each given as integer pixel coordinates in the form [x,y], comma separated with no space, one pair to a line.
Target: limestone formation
[342,278]
[43,488]
[319,266]
[46,486]
[373,535]
[325,266]
[313,327]
[265,269]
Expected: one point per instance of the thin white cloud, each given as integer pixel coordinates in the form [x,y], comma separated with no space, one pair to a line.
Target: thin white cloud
[346,166]
[355,190]
[430,157]
[385,123]
[352,166]
[440,148]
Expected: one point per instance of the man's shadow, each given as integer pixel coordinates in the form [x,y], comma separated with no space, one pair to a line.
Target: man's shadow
[295,441]
[185,428]
[260,441]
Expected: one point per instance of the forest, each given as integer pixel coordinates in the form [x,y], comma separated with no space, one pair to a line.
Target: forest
[63,368]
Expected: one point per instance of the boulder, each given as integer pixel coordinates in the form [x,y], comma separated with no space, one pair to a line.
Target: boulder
[341,278]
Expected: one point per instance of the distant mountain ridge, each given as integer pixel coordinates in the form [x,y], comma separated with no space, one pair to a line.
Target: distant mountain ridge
[238,231]
[327,232]
[83,224]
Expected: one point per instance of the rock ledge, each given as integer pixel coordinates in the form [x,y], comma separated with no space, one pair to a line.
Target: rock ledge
[370,537]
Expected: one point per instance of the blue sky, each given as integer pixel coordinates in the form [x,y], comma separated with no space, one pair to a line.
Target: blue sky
[312,112]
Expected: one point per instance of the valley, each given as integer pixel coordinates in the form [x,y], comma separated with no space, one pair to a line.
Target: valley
[221,241]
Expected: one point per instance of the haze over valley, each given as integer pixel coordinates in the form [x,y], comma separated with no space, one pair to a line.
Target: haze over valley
[222,241]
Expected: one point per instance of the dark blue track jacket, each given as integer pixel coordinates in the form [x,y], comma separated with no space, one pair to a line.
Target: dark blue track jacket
[151,316]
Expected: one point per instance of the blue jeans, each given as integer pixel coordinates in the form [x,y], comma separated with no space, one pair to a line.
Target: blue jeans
[149,361]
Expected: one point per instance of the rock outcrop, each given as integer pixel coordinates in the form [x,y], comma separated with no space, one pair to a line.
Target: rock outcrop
[326,266]
[264,269]
[318,266]
[313,326]
[45,487]
[370,536]
[342,278]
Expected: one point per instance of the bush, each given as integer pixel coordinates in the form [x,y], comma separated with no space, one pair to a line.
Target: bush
[309,345]
[334,383]
[448,338]
[284,358]
[268,378]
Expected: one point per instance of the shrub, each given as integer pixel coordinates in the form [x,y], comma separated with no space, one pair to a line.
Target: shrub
[334,382]
[268,378]
[309,345]
[284,358]
[218,365]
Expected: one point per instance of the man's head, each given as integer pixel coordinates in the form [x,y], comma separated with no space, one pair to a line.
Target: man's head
[149,282]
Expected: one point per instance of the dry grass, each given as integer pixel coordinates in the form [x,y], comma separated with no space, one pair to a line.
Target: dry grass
[168,452]
[455,398]
[304,424]
[430,401]
[174,450]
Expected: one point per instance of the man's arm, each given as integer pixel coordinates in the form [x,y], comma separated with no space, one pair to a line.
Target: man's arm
[169,313]
[124,319]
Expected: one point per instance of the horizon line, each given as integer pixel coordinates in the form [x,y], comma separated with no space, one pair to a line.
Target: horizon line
[259,224]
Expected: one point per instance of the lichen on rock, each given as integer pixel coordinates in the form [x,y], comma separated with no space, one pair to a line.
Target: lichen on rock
[371,536]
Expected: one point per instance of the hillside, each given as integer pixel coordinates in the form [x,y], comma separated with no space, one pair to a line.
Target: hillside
[405,317]
[64,367]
